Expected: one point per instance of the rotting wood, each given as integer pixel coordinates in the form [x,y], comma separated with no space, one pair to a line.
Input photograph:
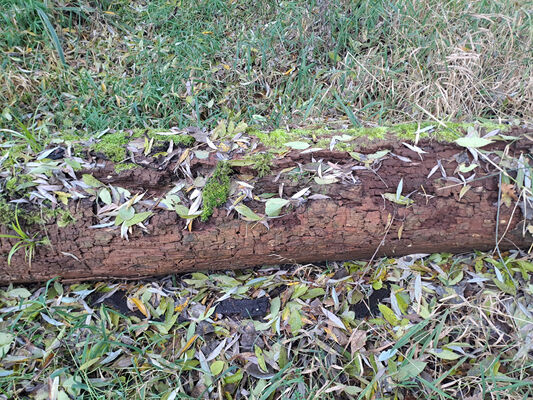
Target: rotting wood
[352,223]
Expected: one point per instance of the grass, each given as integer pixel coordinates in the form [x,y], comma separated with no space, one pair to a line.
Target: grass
[292,63]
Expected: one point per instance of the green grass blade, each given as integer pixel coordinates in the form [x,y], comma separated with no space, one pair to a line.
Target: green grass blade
[351,116]
[53,34]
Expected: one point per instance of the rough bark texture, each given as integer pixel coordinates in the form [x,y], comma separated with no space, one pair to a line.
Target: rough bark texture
[352,224]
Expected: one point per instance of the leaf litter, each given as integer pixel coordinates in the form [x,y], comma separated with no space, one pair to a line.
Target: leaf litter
[437,324]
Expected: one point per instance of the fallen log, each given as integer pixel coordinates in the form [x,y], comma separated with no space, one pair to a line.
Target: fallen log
[353,198]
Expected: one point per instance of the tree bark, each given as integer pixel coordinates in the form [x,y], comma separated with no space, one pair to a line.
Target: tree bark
[354,222]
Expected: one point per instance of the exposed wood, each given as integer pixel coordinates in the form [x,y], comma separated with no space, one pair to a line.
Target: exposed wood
[355,222]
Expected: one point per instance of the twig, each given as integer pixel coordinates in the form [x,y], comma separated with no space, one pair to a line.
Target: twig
[497,229]
[382,242]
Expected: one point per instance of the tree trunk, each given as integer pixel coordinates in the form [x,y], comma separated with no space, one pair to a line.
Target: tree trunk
[348,220]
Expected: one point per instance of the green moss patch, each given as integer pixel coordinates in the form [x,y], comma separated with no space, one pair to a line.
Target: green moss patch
[262,163]
[216,189]
[275,139]
[113,146]
[321,137]
[124,167]
[448,133]
[178,140]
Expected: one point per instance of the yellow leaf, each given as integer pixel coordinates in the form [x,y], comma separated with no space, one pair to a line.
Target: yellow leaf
[63,197]
[148,146]
[103,87]
[180,307]
[463,191]
[388,314]
[109,13]
[226,67]
[140,306]
[207,32]
[223,147]
[183,156]
[187,345]
[288,72]
[331,334]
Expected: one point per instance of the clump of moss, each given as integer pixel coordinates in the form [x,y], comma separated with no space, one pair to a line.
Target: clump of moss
[372,133]
[124,167]
[178,140]
[262,163]
[7,214]
[216,189]
[275,139]
[64,218]
[113,146]
[17,185]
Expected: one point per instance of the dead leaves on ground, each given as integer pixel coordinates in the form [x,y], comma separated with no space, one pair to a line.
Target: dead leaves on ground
[302,329]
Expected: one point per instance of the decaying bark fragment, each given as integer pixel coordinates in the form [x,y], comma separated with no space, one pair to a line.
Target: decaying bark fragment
[349,221]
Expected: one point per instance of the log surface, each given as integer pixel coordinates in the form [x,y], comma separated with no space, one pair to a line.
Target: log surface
[353,223]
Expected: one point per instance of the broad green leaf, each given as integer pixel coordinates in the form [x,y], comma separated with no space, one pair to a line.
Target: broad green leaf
[410,369]
[297,145]
[235,378]
[73,163]
[295,320]
[137,218]
[245,211]
[19,292]
[181,210]
[312,293]
[352,390]
[241,127]
[91,181]
[472,142]
[388,314]
[507,286]
[105,196]
[367,158]
[464,169]
[404,201]
[260,358]
[126,213]
[243,162]
[273,206]
[445,354]
[5,343]
[325,181]
[217,367]
[299,290]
